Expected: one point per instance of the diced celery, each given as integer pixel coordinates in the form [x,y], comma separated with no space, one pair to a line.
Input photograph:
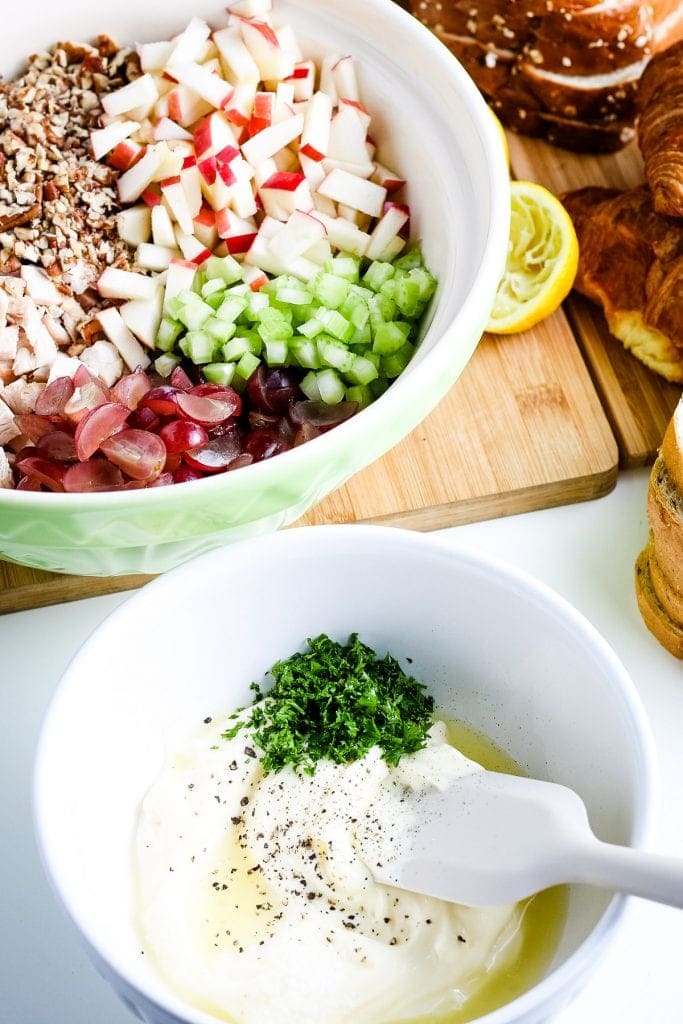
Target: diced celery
[392,365]
[379,386]
[330,290]
[358,313]
[216,284]
[309,386]
[377,273]
[214,300]
[408,297]
[390,337]
[219,329]
[293,296]
[174,305]
[274,325]
[360,393]
[239,289]
[240,345]
[276,353]
[224,267]
[246,366]
[167,334]
[231,308]
[362,371]
[312,327]
[335,324]
[409,260]
[256,303]
[198,281]
[304,352]
[333,353]
[198,346]
[219,373]
[193,312]
[425,281]
[389,288]
[330,386]
[362,336]
[382,308]
[166,363]
[344,266]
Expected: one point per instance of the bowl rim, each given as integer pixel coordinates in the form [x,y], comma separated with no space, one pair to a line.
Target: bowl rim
[435,365]
[646,795]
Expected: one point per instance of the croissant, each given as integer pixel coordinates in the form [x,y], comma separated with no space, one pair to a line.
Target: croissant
[565,70]
[631,264]
[660,129]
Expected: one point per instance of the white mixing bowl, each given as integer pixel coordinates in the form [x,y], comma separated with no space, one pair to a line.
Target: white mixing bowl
[497,649]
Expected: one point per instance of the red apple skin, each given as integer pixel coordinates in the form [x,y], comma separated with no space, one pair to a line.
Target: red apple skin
[286,181]
[125,154]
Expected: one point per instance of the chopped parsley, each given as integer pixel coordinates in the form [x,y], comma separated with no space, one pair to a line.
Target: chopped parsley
[336,701]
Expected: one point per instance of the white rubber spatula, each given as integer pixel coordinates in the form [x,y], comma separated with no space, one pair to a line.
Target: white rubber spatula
[490,839]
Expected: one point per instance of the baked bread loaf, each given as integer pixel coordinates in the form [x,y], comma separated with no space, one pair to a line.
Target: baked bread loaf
[661,625]
[659,566]
[631,265]
[566,70]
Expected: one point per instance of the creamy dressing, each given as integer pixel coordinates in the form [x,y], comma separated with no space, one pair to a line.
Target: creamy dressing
[256,900]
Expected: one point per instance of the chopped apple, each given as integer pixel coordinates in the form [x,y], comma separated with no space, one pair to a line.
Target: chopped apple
[103,140]
[249,8]
[204,82]
[185,106]
[134,181]
[361,194]
[204,228]
[125,154]
[362,170]
[162,227]
[386,229]
[297,236]
[344,235]
[238,232]
[129,348]
[327,76]
[141,92]
[272,61]
[150,256]
[192,249]
[303,80]
[284,192]
[213,134]
[315,135]
[173,192]
[242,199]
[134,224]
[255,278]
[191,179]
[143,317]
[348,129]
[239,67]
[167,129]
[388,179]
[154,56]
[114,283]
[344,76]
[179,278]
[271,139]
[190,44]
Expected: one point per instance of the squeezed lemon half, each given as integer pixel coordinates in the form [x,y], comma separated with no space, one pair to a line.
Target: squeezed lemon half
[543,255]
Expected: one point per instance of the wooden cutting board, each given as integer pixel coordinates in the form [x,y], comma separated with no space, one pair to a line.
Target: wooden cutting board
[527,425]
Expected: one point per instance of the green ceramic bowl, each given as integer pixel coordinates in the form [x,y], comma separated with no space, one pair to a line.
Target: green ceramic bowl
[430,122]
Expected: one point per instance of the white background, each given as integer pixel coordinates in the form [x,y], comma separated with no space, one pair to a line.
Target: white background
[585,551]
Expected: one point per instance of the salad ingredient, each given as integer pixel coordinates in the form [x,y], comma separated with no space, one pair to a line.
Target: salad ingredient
[268,911]
[542,260]
[336,701]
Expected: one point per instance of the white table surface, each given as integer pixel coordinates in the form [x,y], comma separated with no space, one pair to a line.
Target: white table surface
[585,551]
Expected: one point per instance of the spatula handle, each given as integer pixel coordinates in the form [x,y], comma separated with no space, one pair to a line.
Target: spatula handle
[653,876]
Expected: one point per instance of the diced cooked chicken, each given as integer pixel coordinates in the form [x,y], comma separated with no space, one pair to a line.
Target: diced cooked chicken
[21,396]
[102,358]
[63,366]
[39,286]
[8,428]
[9,342]
[5,470]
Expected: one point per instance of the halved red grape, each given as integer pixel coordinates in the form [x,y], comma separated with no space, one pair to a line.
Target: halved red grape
[48,473]
[94,475]
[161,400]
[205,410]
[173,461]
[131,388]
[57,444]
[181,435]
[97,425]
[216,455]
[54,396]
[180,380]
[138,453]
[221,391]
[163,480]
[184,474]
[320,414]
[263,444]
[242,460]
[28,483]
[258,418]
[273,390]
[145,419]
[306,432]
